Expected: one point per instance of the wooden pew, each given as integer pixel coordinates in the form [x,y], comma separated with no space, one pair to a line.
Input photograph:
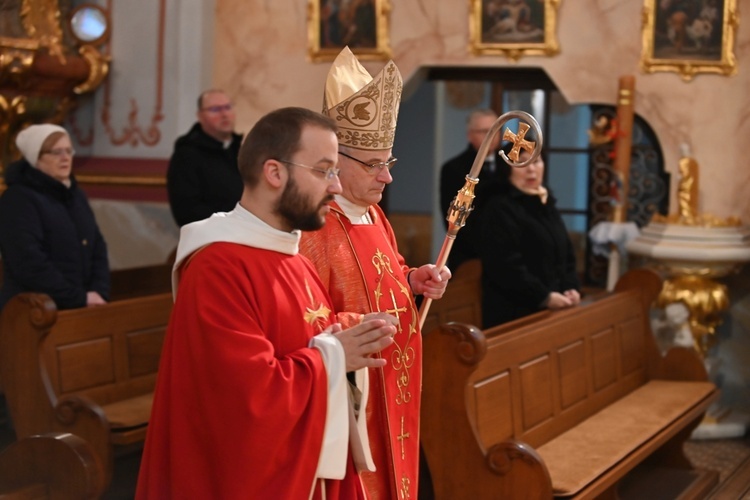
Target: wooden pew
[563,403]
[462,300]
[50,466]
[140,281]
[89,372]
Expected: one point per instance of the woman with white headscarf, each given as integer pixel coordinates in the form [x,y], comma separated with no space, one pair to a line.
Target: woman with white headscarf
[49,239]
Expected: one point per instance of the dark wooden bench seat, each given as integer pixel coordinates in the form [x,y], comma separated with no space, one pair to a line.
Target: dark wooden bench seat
[90,372]
[563,403]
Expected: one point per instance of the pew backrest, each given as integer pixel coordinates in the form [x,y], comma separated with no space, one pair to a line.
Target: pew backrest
[90,372]
[503,409]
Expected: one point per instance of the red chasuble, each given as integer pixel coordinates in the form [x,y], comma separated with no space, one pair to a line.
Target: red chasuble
[240,403]
[363,272]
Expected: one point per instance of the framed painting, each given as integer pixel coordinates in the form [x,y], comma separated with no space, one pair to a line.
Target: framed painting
[689,37]
[513,28]
[360,24]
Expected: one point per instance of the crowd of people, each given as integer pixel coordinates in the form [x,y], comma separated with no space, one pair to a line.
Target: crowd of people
[291,366]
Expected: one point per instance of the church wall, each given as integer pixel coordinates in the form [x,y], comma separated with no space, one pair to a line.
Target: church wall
[160,53]
[261,59]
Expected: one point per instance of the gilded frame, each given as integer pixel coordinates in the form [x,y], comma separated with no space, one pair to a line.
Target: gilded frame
[520,28]
[669,46]
[326,38]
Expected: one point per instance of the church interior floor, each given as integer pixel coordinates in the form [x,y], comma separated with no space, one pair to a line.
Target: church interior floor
[729,457]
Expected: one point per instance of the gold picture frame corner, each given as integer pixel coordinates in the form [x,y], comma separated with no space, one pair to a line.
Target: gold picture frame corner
[381,50]
[688,68]
[515,49]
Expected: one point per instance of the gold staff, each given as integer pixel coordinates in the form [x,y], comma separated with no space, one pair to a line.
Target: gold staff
[461,206]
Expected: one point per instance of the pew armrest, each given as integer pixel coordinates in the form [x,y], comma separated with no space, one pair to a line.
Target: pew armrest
[54,465]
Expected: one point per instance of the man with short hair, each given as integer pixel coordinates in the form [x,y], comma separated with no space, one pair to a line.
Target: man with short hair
[202,177]
[453,177]
[252,398]
[359,263]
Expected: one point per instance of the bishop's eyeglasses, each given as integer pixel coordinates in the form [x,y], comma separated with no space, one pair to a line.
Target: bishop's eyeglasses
[329,172]
[373,168]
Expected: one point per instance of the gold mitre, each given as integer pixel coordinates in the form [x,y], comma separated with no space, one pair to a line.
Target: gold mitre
[364,108]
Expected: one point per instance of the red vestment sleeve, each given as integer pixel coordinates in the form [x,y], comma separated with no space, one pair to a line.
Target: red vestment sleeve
[240,403]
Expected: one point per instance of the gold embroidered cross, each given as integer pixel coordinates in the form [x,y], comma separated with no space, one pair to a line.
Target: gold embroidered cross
[401,437]
[395,310]
[405,487]
[317,315]
[518,141]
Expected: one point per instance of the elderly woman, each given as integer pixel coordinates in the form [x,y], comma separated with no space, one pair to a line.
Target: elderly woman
[49,240]
[528,262]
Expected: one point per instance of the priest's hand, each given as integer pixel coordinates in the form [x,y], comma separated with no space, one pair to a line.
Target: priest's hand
[429,281]
[365,339]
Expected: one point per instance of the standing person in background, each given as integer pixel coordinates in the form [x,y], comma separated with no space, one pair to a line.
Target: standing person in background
[528,262]
[252,399]
[357,258]
[453,177]
[202,177]
[49,239]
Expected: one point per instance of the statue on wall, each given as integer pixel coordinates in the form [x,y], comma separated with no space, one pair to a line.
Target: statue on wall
[687,189]
[687,198]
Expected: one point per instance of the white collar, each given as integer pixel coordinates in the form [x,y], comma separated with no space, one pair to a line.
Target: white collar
[238,226]
[357,214]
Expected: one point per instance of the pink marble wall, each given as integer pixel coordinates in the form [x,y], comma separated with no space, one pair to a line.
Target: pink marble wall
[260,51]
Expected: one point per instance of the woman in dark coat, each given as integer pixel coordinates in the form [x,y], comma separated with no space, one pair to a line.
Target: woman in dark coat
[528,263]
[49,239]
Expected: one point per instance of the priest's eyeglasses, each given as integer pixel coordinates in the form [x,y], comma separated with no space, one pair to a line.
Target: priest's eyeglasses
[373,168]
[329,172]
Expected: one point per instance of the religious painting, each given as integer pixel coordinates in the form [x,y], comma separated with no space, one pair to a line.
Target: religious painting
[689,37]
[362,25]
[513,28]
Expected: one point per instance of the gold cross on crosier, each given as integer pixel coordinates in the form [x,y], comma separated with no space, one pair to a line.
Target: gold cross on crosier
[518,141]
[395,309]
[401,437]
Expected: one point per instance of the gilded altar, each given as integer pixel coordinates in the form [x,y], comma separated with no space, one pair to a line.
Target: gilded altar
[694,249]
[49,56]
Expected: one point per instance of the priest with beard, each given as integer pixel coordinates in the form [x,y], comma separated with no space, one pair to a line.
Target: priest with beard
[252,398]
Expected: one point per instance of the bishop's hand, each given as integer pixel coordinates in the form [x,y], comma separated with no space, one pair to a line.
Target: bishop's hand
[429,281]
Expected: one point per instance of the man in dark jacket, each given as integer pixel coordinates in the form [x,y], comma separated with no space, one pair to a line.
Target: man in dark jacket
[453,177]
[203,178]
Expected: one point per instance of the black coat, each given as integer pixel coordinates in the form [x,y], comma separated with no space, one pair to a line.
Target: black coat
[452,178]
[49,239]
[203,177]
[526,254]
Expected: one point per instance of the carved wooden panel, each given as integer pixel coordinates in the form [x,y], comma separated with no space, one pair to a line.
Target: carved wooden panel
[144,349]
[85,364]
[536,405]
[631,347]
[603,347]
[572,373]
[494,405]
